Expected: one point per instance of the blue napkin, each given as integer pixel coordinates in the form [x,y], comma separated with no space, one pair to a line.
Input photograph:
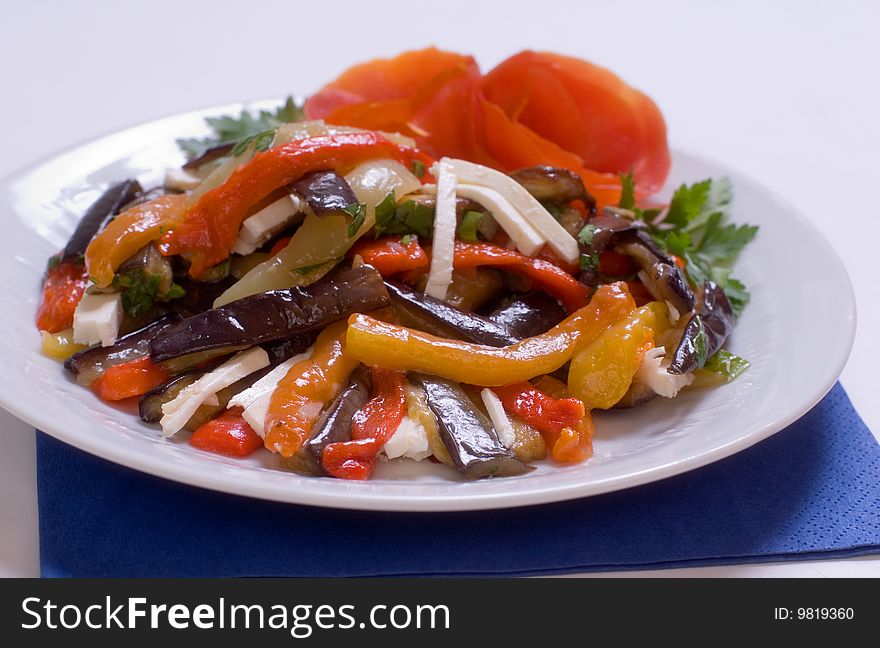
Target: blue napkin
[811,491]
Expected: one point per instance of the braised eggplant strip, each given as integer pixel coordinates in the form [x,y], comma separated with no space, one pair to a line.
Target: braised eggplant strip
[91,363]
[434,316]
[276,314]
[325,192]
[150,404]
[210,154]
[462,205]
[199,296]
[662,277]
[554,184]
[281,350]
[466,432]
[98,215]
[333,426]
[532,314]
[705,332]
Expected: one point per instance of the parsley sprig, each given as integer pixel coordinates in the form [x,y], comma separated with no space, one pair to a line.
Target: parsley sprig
[140,291]
[694,228]
[229,128]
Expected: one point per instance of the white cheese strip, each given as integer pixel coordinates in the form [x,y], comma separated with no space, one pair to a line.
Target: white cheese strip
[563,243]
[181,180]
[443,248]
[177,412]
[409,440]
[500,420]
[652,372]
[524,236]
[263,225]
[255,400]
[97,318]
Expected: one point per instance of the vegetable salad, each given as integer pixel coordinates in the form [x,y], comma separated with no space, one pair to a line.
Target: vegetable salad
[421,263]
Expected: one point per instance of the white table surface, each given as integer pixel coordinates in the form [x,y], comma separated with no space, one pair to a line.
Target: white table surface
[789,94]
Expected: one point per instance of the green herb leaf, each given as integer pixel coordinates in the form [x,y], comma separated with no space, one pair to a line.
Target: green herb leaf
[175,292]
[687,203]
[260,141]
[406,240]
[627,191]
[555,209]
[585,236]
[229,128]
[309,269]
[385,212]
[418,168]
[695,230]
[701,343]
[139,291]
[727,364]
[54,261]
[589,262]
[408,217]
[467,229]
[358,213]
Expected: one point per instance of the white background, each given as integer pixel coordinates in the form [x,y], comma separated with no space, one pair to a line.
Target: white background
[787,91]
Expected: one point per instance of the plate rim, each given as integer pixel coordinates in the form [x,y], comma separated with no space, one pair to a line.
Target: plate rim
[132,459]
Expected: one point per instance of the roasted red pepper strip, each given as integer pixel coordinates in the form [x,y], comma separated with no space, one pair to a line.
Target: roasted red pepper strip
[391,255]
[564,423]
[556,281]
[228,434]
[129,379]
[371,428]
[209,229]
[62,289]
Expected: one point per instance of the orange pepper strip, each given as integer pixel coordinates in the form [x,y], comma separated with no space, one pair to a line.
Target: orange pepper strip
[564,423]
[211,225]
[228,434]
[62,289]
[303,392]
[371,428]
[128,233]
[390,255]
[129,379]
[396,347]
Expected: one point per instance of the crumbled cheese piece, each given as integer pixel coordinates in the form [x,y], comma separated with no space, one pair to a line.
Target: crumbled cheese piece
[500,420]
[443,248]
[178,411]
[263,225]
[97,318]
[653,372]
[409,440]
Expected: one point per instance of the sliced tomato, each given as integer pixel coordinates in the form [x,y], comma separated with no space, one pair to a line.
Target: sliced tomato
[584,109]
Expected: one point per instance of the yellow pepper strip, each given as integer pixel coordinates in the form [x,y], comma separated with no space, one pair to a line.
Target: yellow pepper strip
[391,346]
[603,370]
[60,346]
[305,390]
[128,233]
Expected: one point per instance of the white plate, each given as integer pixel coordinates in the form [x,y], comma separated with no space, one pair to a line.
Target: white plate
[797,333]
